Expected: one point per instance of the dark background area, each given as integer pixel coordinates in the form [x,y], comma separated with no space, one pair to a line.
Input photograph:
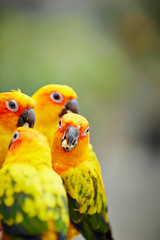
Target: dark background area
[109,52]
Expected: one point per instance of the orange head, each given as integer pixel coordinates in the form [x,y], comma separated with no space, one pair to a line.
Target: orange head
[16,109]
[52,102]
[71,141]
[28,146]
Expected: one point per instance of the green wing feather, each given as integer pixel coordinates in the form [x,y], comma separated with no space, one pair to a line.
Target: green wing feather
[30,198]
[87,201]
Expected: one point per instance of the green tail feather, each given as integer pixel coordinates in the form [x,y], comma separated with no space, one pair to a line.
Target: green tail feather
[87,231]
[92,227]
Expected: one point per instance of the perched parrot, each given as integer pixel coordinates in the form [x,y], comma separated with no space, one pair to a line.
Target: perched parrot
[75,161]
[51,102]
[33,201]
[16,109]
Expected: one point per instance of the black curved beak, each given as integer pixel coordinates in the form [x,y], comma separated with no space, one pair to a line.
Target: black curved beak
[10,144]
[70,106]
[70,138]
[27,118]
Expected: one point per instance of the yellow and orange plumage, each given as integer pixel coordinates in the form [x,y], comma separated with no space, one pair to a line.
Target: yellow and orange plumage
[51,102]
[33,202]
[75,161]
[16,110]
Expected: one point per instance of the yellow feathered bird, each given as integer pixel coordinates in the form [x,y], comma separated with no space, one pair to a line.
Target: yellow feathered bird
[33,201]
[75,161]
[16,110]
[53,101]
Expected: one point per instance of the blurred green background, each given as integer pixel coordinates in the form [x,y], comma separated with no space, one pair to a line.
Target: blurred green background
[109,52]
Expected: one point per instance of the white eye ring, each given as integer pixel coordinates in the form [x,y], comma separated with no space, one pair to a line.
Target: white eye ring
[56,97]
[15,136]
[85,132]
[60,124]
[12,105]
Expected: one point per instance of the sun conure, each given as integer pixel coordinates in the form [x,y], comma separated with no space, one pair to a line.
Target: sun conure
[33,201]
[53,101]
[75,161]
[16,109]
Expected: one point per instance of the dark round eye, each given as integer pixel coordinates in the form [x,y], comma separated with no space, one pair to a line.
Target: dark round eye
[86,131]
[15,136]
[12,105]
[56,97]
[60,124]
